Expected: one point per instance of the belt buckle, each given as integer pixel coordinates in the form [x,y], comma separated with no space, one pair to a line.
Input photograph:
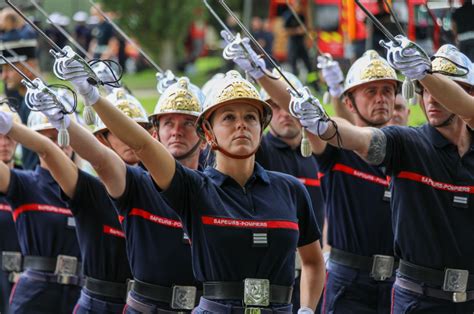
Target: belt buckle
[382,267]
[66,268]
[183,297]
[256,292]
[11,261]
[455,280]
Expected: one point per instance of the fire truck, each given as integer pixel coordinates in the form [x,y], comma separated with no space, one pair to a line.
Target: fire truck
[338,24]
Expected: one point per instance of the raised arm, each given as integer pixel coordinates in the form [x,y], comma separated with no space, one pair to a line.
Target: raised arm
[444,90]
[159,162]
[62,168]
[109,166]
[369,143]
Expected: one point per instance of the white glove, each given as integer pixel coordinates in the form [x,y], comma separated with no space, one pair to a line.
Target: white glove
[305,310]
[105,74]
[6,122]
[408,58]
[246,58]
[44,102]
[333,75]
[308,110]
[75,72]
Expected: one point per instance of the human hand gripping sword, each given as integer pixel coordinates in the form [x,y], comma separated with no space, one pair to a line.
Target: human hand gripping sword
[402,42]
[408,88]
[61,96]
[103,69]
[305,145]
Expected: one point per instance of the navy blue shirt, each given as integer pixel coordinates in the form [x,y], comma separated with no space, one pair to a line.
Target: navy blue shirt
[8,237]
[432,198]
[357,209]
[275,155]
[98,229]
[44,223]
[158,251]
[227,224]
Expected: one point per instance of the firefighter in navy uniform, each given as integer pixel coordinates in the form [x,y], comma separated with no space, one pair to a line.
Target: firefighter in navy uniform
[226,214]
[148,222]
[356,195]
[432,188]
[101,239]
[431,169]
[9,246]
[280,150]
[46,231]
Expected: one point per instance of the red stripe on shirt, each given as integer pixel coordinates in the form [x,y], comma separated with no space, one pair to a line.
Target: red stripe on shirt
[310,182]
[257,224]
[435,184]
[156,219]
[113,231]
[361,175]
[40,208]
[5,208]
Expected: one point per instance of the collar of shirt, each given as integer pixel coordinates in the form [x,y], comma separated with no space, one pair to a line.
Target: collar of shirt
[439,140]
[277,142]
[219,178]
[44,174]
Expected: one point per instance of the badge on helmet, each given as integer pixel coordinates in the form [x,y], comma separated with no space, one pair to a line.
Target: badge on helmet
[126,103]
[449,61]
[371,67]
[181,97]
[233,89]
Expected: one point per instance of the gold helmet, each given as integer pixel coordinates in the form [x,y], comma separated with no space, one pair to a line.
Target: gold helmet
[449,61]
[180,97]
[230,90]
[294,80]
[371,67]
[37,121]
[126,103]
[5,108]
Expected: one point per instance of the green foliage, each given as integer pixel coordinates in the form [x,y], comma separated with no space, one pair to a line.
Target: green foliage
[154,21]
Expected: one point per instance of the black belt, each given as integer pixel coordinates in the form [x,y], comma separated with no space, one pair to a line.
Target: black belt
[456,297]
[179,297]
[429,276]
[39,263]
[230,290]
[354,260]
[106,288]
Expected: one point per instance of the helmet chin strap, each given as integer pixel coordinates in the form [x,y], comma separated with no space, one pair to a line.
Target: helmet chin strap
[446,122]
[369,123]
[215,146]
[190,152]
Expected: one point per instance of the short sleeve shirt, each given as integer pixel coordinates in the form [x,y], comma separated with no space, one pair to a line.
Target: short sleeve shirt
[275,155]
[44,223]
[158,249]
[100,234]
[243,232]
[357,206]
[432,198]
[8,237]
